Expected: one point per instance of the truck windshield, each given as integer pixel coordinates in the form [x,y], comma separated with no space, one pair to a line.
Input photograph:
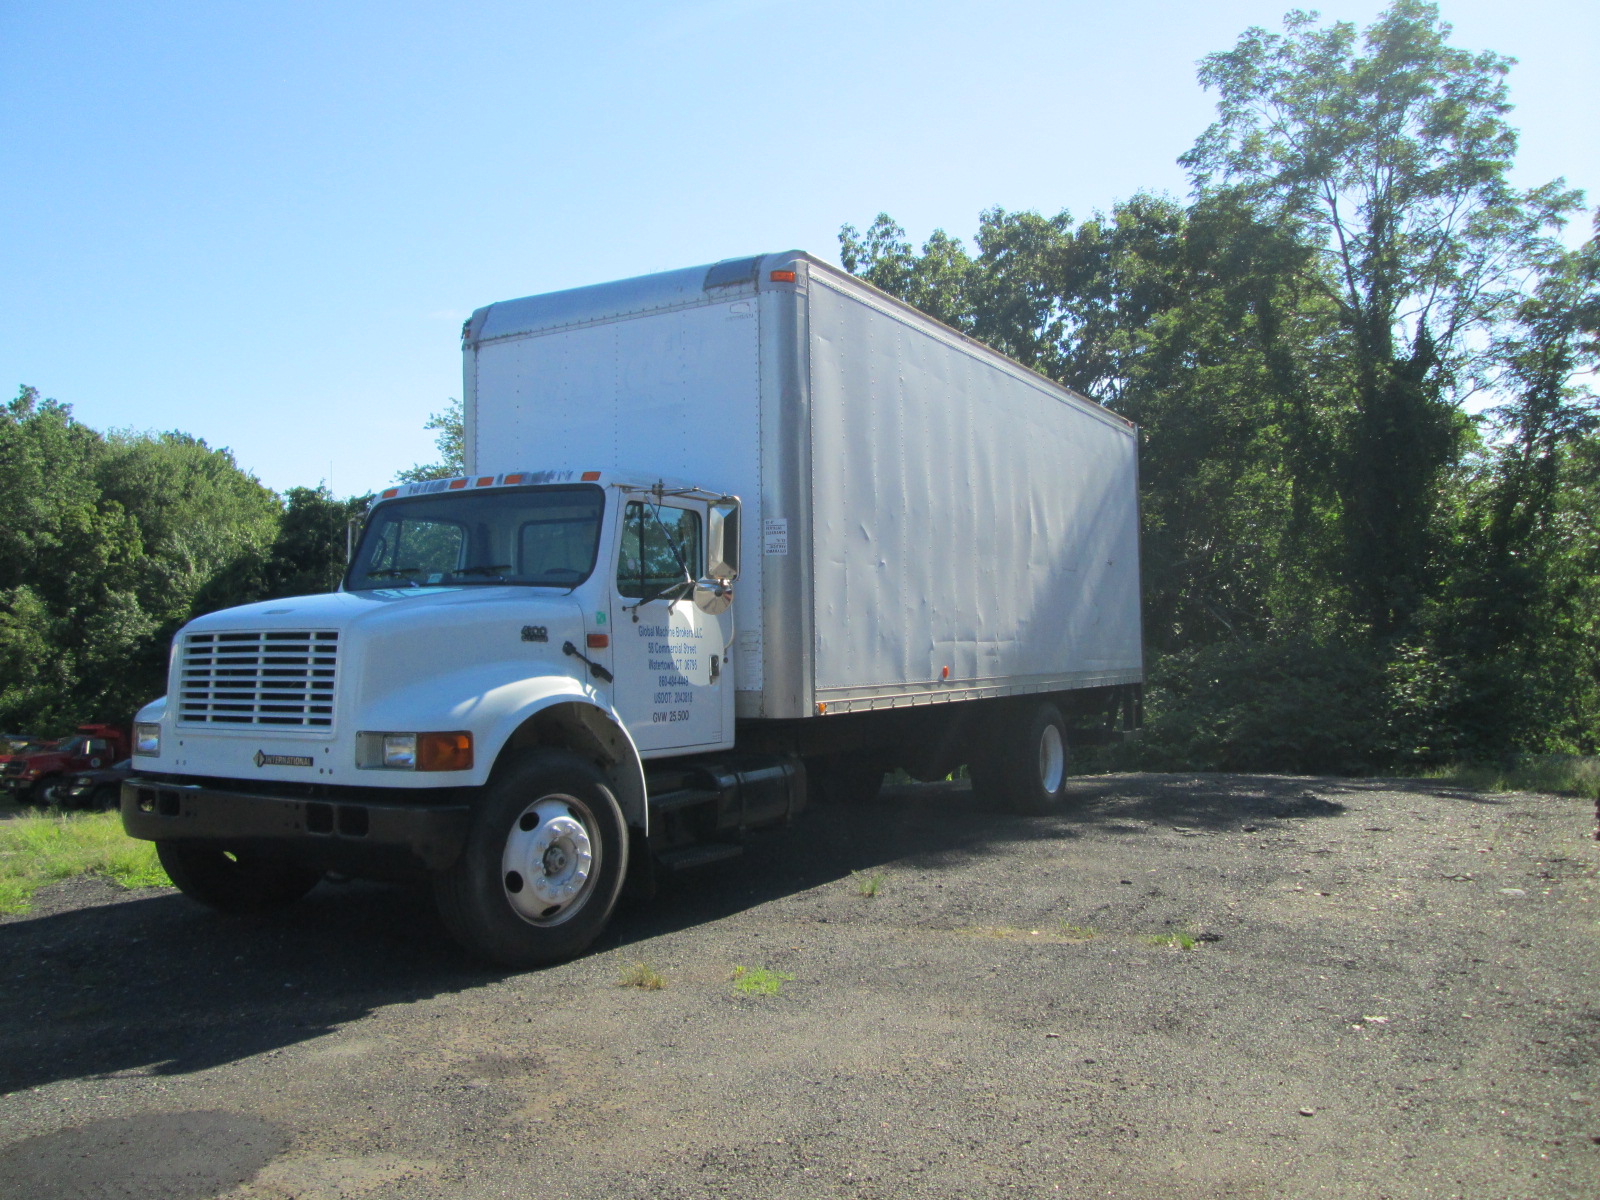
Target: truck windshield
[535,536]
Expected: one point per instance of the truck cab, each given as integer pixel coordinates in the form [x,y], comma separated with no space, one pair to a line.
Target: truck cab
[508,658]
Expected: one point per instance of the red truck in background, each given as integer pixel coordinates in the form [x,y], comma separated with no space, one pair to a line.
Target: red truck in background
[27,775]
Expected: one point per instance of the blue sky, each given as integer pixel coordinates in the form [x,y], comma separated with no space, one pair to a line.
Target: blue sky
[263,223]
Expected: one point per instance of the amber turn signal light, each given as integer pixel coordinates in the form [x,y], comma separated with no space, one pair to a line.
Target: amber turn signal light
[444,751]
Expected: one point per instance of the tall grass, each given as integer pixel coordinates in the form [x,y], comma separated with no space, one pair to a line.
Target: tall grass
[1563,774]
[36,850]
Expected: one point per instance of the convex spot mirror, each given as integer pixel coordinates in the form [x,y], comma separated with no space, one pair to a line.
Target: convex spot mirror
[722,540]
[713,596]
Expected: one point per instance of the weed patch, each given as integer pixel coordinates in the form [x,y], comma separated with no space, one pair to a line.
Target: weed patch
[641,976]
[36,850]
[1173,941]
[867,885]
[758,981]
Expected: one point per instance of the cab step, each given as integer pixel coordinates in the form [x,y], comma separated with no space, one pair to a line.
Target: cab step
[687,857]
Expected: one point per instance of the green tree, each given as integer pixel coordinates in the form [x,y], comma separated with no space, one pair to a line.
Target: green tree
[307,556]
[196,510]
[1521,617]
[1389,155]
[70,613]
[450,426]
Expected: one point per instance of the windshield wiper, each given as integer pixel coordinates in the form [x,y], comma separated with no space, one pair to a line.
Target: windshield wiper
[484,569]
[396,573]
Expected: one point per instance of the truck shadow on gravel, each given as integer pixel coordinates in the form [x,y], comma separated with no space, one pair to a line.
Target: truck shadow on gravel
[156,984]
[943,824]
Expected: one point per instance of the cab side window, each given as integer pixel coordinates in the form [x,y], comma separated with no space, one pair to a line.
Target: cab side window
[660,547]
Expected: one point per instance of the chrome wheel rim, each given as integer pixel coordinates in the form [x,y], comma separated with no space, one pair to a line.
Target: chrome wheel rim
[550,861]
[1052,760]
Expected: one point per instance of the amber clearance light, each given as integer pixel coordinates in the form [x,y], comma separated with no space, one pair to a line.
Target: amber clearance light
[444,751]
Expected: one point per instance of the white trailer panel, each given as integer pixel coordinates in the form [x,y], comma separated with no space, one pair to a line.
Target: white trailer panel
[974,525]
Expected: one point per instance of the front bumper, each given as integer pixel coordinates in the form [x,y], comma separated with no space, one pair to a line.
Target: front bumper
[328,831]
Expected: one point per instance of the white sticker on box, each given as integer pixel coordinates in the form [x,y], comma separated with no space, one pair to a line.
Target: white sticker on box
[775,535]
[749,651]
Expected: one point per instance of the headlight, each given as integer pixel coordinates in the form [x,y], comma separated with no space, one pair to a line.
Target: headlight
[414,751]
[400,751]
[147,740]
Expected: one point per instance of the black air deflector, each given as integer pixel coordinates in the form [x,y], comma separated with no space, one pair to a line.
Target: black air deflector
[733,272]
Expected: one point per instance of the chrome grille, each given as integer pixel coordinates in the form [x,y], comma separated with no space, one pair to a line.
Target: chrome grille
[275,678]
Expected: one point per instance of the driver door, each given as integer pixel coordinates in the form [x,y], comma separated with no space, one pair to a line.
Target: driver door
[667,653]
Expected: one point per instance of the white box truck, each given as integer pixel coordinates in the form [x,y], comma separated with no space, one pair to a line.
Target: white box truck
[727,535]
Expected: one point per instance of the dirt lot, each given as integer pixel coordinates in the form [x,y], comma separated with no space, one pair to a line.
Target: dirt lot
[1392,991]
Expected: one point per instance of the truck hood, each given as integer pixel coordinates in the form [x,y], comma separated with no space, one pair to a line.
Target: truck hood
[336,610]
[391,638]
[43,762]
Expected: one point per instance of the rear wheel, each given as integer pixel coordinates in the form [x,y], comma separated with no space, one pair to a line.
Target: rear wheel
[1024,765]
[543,864]
[233,882]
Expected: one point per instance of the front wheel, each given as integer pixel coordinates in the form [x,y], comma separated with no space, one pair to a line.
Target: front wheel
[543,864]
[1024,766]
[232,882]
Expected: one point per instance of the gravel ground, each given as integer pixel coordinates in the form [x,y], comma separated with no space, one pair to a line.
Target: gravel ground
[1392,990]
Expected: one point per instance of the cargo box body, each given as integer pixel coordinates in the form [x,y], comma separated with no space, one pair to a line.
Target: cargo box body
[924,520]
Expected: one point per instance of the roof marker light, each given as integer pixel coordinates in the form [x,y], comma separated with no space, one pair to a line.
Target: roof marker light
[590,476]
[782,277]
[513,479]
[484,481]
[391,492]
[457,483]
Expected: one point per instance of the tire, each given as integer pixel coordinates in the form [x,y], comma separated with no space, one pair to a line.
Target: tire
[1024,768]
[543,864]
[105,797]
[843,779]
[231,882]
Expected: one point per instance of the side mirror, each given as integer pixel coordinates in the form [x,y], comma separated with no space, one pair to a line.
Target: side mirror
[722,540]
